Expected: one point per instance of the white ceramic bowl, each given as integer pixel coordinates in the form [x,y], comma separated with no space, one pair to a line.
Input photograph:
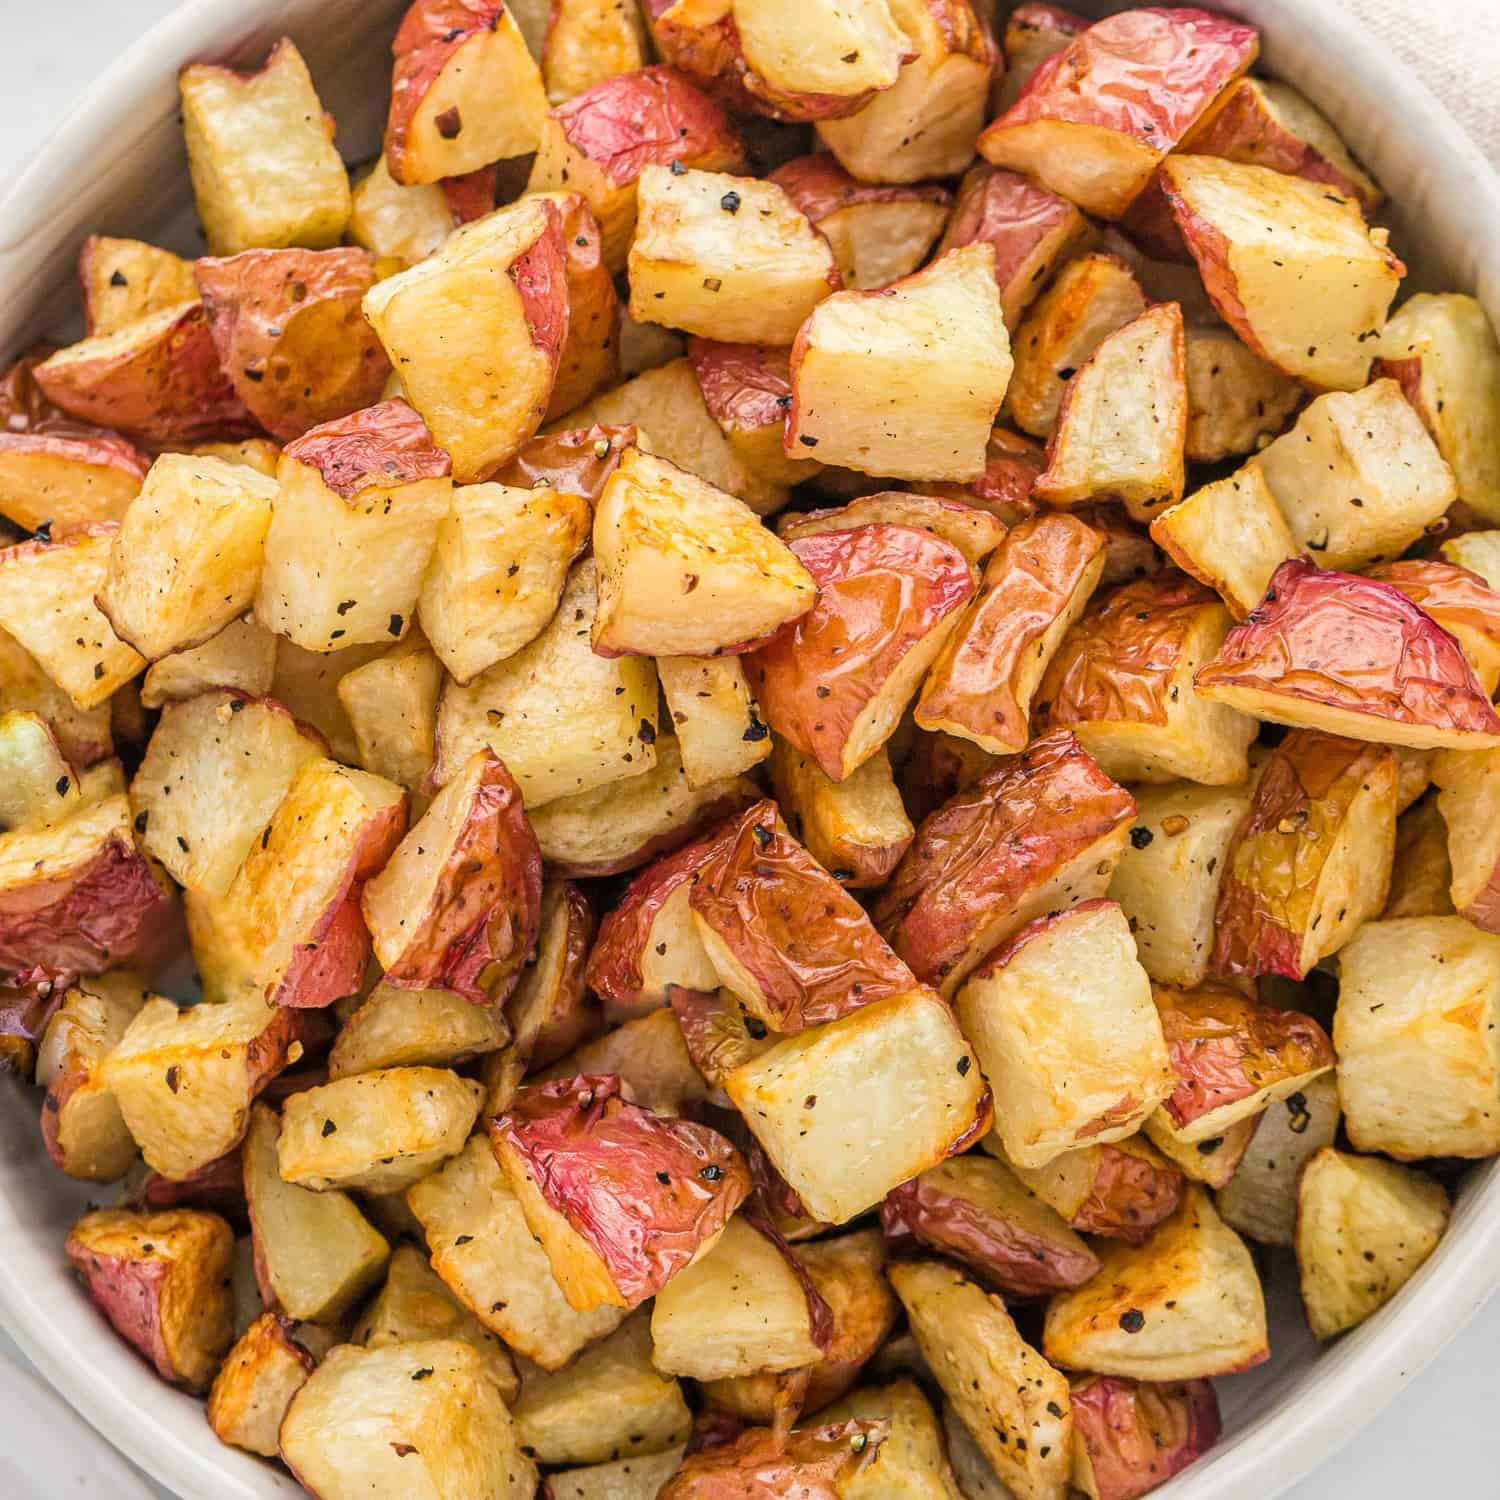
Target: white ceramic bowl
[117,166]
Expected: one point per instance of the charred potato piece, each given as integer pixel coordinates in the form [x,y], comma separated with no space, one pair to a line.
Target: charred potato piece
[1184,1305]
[1364,1227]
[162,1280]
[376,1422]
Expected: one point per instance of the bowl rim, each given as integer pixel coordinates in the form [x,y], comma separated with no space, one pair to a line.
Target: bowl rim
[1352,1379]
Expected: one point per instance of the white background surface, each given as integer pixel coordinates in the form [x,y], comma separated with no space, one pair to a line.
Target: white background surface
[1440,1437]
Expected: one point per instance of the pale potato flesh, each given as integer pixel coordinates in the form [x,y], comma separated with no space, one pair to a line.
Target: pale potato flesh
[241,656]
[719,729]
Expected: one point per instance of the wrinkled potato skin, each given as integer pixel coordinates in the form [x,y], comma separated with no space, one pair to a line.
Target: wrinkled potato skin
[598,1159]
[1134,1435]
[576,460]
[811,1465]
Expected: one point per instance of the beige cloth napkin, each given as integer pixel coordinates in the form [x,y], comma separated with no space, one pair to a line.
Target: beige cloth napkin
[1453,46]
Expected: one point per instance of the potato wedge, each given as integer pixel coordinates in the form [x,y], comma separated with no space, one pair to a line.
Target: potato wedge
[1014,1404]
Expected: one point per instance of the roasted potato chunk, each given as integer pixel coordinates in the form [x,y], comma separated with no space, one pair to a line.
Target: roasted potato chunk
[355,522]
[1130,1436]
[1035,587]
[1235,399]
[125,280]
[836,682]
[718,724]
[1312,859]
[1294,661]
[812,1102]
[497,284]
[268,1365]
[260,150]
[747,389]
[242,657]
[608,1402]
[695,264]
[1364,1226]
[1442,351]
[563,719]
[162,1280]
[363,1416]
[1121,1191]
[976,1211]
[1233,1057]
[905,381]
[587,1167]
[1012,1401]
[484,1250]
[184,1078]
[395,1028]
[1467,786]
[1291,266]
[1260,1200]
[662,535]
[815,1462]
[975,532]
[67,477]
[1092,297]
[315,1254]
[1184,1305]
[1421,873]
[781,934]
[1094,121]
[465,91]
[458,904]
[1418,1061]
[1038,832]
[624,1479]
[1062,1022]
[390,1128]
[397,222]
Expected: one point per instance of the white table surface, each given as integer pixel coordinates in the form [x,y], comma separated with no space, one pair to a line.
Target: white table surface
[1442,1428]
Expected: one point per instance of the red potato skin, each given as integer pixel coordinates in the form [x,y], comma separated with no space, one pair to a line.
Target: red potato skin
[599,1160]
[1012,466]
[1128,1198]
[472,195]
[1006,1257]
[652,115]
[331,961]
[1445,591]
[881,590]
[387,444]
[253,299]
[818,186]
[167,392]
[757,1462]
[129,1295]
[27,1002]
[807,943]
[614,967]
[1223,1047]
[540,273]
[572,1020]
[1241,130]
[745,386]
[1007,211]
[1352,643]
[113,912]
[218,1187]
[1146,74]
[79,444]
[719,1035]
[578,461]
[23,407]
[430,33]
[1137,1435]
[1117,662]
[487,908]
[984,848]
[589,358]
